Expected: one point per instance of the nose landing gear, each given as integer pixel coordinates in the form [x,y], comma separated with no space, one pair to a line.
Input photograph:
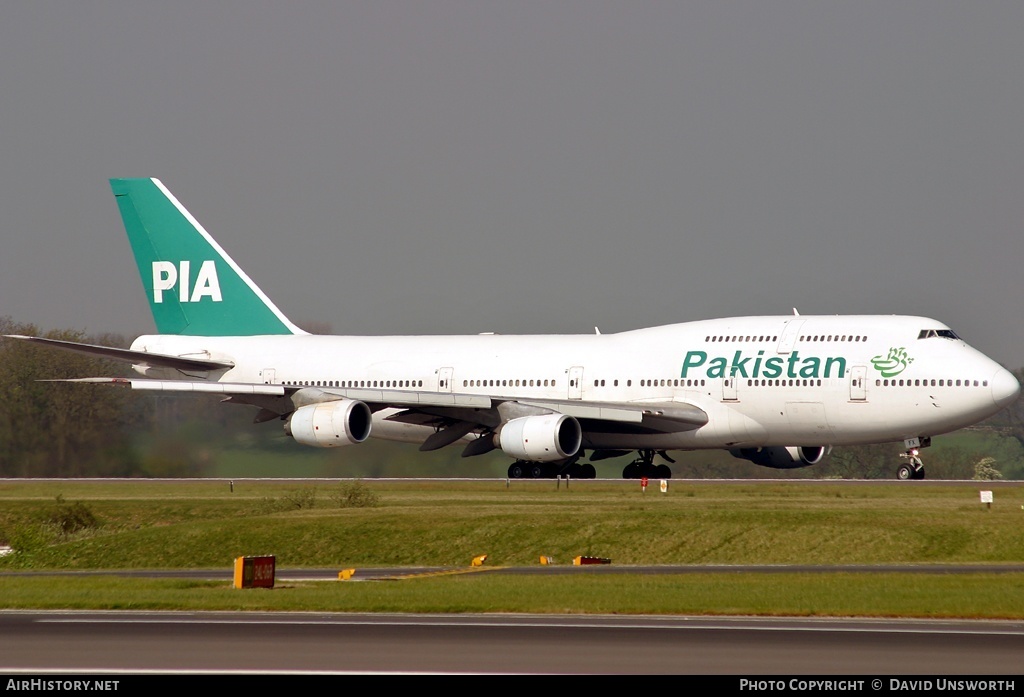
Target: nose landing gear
[913,468]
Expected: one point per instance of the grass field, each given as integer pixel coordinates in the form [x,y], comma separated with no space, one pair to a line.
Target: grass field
[95,525]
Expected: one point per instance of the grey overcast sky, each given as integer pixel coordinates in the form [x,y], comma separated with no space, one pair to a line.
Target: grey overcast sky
[423,167]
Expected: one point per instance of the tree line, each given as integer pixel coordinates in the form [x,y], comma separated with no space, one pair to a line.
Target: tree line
[60,429]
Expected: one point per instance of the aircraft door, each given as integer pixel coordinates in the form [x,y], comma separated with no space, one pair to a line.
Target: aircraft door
[444,379]
[858,387]
[576,382]
[789,335]
[268,375]
[729,389]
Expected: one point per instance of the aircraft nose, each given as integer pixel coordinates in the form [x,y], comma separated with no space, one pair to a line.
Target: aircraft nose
[1005,387]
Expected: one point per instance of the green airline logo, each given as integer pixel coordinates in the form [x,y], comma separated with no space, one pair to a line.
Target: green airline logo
[892,364]
[757,366]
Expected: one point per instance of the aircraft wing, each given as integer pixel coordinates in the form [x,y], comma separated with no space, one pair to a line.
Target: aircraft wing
[481,410]
[134,357]
[224,388]
[676,415]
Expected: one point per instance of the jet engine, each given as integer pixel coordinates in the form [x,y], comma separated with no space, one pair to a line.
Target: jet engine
[541,438]
[782,458]
[330,424]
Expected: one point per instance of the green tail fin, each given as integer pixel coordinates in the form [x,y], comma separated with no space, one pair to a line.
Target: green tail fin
[194,287]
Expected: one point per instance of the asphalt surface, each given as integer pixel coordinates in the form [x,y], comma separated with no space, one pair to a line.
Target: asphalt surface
[137,643]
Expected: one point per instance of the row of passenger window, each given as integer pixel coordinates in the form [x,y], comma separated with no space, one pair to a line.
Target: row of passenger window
[931,383]
[672,383]
[878,383]
[597,383]
[629,383]
[785,383]
[761,338]
[732,339]
[510,383]
[354,383]
[832,337]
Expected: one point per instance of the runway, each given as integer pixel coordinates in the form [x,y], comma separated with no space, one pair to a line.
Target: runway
[110,643]
[106,642]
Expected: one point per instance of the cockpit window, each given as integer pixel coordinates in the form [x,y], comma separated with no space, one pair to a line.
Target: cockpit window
[932,333]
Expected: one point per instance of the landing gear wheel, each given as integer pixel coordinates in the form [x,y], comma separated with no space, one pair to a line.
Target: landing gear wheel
[913,468]
[516,470]
[538,471]
[645,467]
[588,472]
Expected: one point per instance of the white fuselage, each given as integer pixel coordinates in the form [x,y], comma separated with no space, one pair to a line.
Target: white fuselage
[763,381]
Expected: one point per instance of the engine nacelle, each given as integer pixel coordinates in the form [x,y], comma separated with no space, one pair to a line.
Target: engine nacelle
[782,458]
[330,424]
[541,438]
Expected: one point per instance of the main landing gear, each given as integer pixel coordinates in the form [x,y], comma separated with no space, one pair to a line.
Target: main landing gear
[644,466]
[913,468]
[523,469]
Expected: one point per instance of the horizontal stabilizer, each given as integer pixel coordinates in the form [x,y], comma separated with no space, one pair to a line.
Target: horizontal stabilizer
[154,360]
[228,388]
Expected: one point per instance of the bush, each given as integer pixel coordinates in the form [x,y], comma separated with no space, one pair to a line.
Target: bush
[69,518]
[292,501]
[984,470]
[299,499]
[355,495]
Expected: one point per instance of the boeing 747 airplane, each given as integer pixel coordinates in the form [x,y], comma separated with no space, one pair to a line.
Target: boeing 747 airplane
[779,391]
